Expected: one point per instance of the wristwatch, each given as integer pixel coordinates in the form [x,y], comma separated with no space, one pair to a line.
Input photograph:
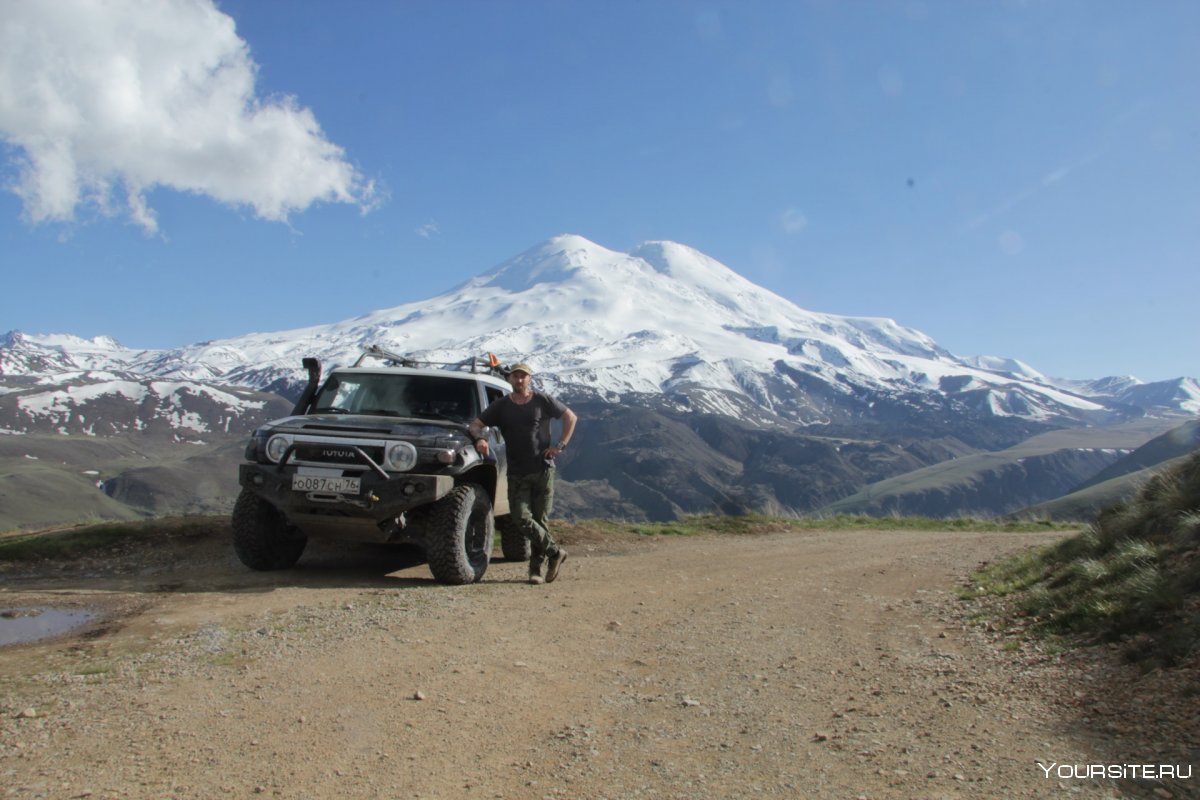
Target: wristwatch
[561,446]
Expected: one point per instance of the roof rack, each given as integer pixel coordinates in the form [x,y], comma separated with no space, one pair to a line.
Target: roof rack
[488,366]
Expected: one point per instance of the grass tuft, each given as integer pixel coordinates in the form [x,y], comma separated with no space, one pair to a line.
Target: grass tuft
[83,540]
[1133,576]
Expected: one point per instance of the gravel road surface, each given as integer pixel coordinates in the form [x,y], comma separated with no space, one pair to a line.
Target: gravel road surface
[787,664]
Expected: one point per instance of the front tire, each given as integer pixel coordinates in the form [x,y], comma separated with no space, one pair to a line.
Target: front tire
[461,531]
[262,538]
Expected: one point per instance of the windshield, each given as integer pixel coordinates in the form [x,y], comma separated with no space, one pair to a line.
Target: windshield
[420,396]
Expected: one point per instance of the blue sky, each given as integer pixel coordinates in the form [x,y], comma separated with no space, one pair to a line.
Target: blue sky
[1012,178]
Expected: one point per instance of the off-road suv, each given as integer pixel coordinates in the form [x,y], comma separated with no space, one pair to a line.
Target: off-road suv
[381,453]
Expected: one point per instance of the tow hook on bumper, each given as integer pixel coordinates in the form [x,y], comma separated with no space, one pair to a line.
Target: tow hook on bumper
[321,497]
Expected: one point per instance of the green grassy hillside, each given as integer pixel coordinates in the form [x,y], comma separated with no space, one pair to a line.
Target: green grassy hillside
[1174,444]
[1038,469]
[1132,577]
[1120,481]
[49,479]
[1086,503]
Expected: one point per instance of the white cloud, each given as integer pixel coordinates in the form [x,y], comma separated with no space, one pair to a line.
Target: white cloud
[1050,179]
[793,221]
[104,101]
[428,230]
[1011,243]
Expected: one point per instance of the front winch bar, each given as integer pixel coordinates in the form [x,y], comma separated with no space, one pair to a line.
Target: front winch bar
[358,451]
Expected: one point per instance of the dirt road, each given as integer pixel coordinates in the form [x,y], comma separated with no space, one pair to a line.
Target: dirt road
[793,665]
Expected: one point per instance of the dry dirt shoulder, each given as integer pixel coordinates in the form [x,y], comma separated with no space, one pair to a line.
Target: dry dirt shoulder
[786,665]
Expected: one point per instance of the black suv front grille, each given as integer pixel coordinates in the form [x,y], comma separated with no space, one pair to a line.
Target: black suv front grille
[339,455]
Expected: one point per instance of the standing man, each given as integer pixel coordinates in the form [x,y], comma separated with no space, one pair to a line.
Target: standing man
[523,418]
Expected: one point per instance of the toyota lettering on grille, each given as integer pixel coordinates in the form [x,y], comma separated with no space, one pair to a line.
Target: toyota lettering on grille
[331,453]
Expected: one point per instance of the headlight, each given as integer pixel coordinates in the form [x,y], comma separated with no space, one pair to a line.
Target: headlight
[277,446]
[400,457]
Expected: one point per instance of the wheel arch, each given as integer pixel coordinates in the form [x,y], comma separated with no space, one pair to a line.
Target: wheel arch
[484,475]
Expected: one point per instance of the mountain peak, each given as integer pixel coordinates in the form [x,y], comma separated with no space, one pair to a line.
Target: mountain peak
[556,260]
[568,249]
[682,272]
[705,275]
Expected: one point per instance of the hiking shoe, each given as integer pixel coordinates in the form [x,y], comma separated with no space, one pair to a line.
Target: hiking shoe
[554,563]
[535,575]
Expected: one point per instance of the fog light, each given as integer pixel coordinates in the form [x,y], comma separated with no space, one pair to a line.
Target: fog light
[258,480]
[410,488]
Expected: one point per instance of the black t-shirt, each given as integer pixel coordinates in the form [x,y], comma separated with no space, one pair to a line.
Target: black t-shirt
[526,429]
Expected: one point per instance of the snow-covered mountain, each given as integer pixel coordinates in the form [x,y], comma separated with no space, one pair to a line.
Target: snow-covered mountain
[702,392]
[662,325]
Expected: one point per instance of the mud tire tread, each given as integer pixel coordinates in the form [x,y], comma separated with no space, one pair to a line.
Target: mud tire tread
[461,533]
[262,538]
[513,543]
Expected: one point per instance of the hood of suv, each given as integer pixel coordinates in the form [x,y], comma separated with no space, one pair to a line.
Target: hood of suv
[371,425]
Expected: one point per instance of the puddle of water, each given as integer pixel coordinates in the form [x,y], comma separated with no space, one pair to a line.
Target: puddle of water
[20,625]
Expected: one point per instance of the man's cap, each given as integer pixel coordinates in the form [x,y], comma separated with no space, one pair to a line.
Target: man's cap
[522,367]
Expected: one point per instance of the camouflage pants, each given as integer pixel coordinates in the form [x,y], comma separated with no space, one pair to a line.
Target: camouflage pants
[530,501]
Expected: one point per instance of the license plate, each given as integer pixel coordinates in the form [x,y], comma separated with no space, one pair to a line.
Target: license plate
[320,483]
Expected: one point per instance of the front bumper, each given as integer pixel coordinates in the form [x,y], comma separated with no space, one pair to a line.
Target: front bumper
[375,514]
